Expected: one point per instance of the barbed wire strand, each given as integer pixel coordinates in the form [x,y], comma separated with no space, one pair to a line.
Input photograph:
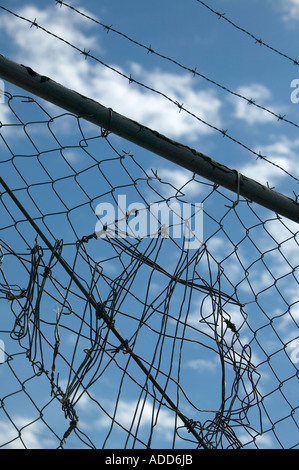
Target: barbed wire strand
[223,132]
[257,40]
[193,70]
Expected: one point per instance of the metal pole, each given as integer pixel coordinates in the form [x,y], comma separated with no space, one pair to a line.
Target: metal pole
[188,158]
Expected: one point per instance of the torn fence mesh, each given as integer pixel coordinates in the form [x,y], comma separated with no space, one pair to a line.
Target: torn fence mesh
[208,349]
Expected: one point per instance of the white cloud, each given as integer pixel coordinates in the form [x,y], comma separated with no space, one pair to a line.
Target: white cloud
[30,434]
[4,109]
[263,441]
[290,9]
[61,22]
[181,179]
[248,112]
[203,365]
[141,414]
[51,57]
[180,88]
[4,114]
[283,153]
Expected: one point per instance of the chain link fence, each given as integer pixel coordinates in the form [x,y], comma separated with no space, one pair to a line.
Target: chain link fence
[124,336]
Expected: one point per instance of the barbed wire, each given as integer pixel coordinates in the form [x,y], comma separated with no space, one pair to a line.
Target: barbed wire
[181,107]
[193,71]
[257,40]
[225,311]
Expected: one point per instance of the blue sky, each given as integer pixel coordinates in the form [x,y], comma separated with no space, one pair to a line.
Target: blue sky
[199,40]
[188,33]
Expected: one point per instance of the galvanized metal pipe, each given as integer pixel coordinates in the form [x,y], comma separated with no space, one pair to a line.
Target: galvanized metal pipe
[186,157]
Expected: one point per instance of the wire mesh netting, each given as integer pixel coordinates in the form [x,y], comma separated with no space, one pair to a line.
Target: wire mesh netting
[165,345]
